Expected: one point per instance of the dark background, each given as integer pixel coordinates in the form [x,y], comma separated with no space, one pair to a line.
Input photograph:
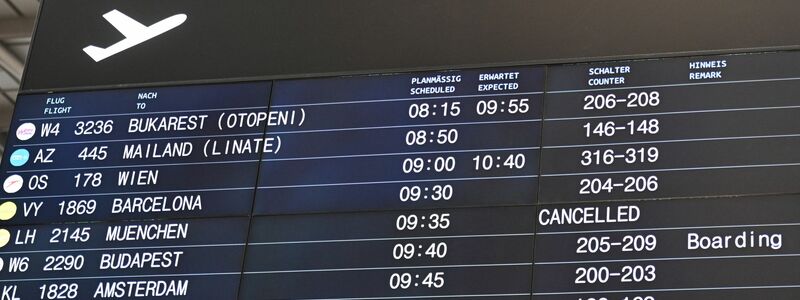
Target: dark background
[263,39]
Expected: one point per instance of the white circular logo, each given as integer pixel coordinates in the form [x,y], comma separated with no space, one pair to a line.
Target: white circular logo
[26,131]
[12,184]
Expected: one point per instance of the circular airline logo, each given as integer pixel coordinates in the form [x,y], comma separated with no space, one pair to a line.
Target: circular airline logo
[12,184]
[26,131]
[19,157]
[7,210]
[5,237]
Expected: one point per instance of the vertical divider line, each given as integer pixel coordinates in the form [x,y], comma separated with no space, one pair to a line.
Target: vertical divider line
[255,193]
[539,177]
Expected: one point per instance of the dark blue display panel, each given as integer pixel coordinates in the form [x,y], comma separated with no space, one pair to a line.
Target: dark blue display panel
[164,160]
[405,141]
[137,154]
[454,253]
[629,180]
[680,131]
[683,127]
[380,151]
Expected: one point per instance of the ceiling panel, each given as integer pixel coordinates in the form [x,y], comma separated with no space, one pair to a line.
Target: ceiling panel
[6,11]
[20,50]
[11,94]
[6,82]
[19,40]
[28,7]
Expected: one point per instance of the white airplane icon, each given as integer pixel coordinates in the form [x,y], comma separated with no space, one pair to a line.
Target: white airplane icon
[135,33]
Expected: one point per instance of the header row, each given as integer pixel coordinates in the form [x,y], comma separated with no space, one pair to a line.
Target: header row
[777,66]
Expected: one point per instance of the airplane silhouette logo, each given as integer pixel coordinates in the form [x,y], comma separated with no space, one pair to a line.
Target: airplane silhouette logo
[135,33]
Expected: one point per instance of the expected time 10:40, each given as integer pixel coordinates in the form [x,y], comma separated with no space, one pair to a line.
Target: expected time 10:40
[443,164]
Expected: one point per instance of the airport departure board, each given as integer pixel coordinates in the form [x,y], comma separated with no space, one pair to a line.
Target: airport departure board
[674,178]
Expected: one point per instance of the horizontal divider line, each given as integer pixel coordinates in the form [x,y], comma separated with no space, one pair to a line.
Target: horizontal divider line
[389,268]
[403,99]
[398,154]
[122,276]
[672,85]
[139,139]
[675,113]
[673,170]
[670,290]
[268,187]
[404,126]
[675,141]
[143,113]
[395,181]
[427,297]
[665,259]
[124,248]
[132,192]
[444,237]
[136,166]
[669,228]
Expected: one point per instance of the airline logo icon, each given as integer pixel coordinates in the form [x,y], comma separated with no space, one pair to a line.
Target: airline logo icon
[12,184]
[26,131]
[135,33]
[5,237]
[19,157]
[7,210]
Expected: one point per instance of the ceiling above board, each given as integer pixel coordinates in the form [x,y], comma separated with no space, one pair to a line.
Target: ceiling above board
[16,26]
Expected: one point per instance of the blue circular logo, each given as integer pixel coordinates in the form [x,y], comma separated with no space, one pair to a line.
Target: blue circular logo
[19,157]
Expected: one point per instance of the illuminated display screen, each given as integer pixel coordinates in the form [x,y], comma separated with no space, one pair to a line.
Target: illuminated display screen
[629,180]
